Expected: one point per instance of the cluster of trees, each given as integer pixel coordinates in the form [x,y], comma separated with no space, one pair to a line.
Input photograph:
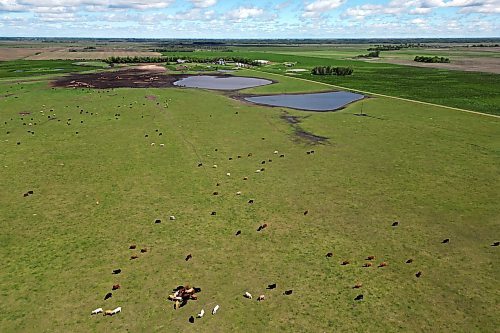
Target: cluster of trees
[434,59]
[328,70]
[373,54]
[136,59]
[385,48]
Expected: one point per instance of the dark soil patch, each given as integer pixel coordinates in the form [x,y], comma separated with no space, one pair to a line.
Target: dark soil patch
[127,78]
[300,133]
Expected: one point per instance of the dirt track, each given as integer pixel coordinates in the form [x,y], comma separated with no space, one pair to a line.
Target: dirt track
[140,77]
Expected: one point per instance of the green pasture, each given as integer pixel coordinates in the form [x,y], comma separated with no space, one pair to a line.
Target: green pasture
[96,192]
[467,90]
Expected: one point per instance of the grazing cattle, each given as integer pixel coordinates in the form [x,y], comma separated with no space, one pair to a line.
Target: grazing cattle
[288,292]
[308,152]
[117,271]
[230,158]
[157,221]
[214,166]
[359,297]
[358,285]
[419,274]
[191,320]
[247,295]
[118,309]
[312,151]
[395,224]
[162,145]
[263,169]
[257,171]
[30,192]
[197,290]
[108,313]
[201,314]
[271,286]
[216,193]
[263,226]
[263,162]
[306,212]
[275,152]
[200,164]
[259,228]
[25,194]
[383,264]
[261,298]
[116,287]
[132,247]
[447,240]
[367,264]
[249,155]
[238,232]
[134,257]
[239,156]
[216,308]
[409,261]
[108,296]
[245,178]
[218,184]
[250,201]
[282,155]
[238,193]
[144,250]
[152,143]
[96,311]
[172,218]
[329,255]
[345,262]
[370,258]
[213,213]
[189,256]
[228,174]
[495,244]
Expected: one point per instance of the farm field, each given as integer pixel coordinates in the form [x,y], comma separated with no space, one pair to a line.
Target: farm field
[467,90]
[104,164]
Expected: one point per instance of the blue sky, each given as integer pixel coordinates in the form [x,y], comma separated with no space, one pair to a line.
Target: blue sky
[250,19]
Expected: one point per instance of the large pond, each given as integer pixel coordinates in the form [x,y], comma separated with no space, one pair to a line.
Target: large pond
[328,101]
[221,82]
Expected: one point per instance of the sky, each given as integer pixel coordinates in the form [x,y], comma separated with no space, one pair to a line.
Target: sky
[249,19]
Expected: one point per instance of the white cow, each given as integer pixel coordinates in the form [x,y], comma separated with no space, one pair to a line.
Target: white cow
[201,314]
[216,308]
[96,311]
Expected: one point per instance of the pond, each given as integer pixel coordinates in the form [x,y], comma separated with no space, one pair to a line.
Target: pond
[221,82]
[327,101]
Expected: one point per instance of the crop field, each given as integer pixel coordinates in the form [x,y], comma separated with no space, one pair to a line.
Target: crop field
[104,164]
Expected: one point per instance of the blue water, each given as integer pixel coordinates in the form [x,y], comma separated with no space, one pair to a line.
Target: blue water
[328,101]
[221,82]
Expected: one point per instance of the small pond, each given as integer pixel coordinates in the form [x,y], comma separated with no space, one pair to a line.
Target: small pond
[327,101]
[221,82]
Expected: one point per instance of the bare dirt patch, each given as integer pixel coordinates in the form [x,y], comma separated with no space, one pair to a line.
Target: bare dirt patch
[300,133]
[137,77]
[484,64]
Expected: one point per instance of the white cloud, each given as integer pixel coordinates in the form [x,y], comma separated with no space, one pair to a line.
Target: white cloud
[203,3]
[319,7]
[243,13]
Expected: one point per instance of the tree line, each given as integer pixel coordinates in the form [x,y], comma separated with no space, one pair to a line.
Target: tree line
[434,59]
[328,70]
[163,59]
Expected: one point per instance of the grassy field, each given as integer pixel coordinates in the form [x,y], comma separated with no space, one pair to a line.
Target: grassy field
[468,90]
[30,69]
[99,185]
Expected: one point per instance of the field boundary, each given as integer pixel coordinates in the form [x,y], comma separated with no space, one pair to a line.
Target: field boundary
[381,95]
